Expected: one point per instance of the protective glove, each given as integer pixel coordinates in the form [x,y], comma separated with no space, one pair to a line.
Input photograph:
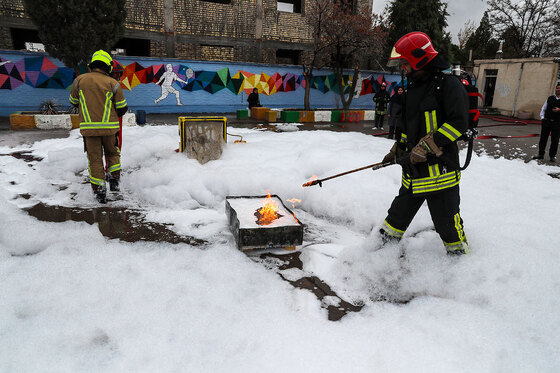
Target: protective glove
[391,156]
[425,146]
[430,145]
[418,154]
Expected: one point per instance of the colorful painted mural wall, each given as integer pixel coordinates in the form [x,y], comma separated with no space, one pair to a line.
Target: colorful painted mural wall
[177,86]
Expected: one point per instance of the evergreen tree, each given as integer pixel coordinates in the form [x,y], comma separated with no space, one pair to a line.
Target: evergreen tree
[482,43]
[72,30]
[428,16]
[513,44]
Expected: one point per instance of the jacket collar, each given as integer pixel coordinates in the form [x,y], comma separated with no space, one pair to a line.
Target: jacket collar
[96,70]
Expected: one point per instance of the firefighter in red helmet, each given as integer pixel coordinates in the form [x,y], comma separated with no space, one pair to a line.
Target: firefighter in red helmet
[435,117]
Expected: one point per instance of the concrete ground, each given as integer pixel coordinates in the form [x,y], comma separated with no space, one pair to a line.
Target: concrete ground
[503,132]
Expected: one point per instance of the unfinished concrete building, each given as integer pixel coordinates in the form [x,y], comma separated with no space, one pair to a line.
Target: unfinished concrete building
[267,31]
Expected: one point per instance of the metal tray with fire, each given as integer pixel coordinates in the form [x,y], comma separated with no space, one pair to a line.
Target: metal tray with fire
[261,222]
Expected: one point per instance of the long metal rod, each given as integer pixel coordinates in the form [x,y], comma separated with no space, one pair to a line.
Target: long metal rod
[374,167]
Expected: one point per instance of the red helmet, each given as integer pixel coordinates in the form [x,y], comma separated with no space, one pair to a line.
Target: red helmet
[117,67]
[416,48]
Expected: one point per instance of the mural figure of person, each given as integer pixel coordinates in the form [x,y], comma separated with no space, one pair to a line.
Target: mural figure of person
[168,78]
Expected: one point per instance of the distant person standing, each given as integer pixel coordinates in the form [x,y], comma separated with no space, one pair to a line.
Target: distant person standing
[381,100]
[550,125]
[394,113]
[253,99]
[166,81]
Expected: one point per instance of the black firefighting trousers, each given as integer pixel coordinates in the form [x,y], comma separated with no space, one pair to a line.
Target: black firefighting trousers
[444,210]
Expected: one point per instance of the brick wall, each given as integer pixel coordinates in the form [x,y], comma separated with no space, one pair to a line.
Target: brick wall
[184,50]
[216,53]
[203,18]
[157,49]
[243,30]
[12,8]
[6,38]
[145,15]
[269,56]
[282,26]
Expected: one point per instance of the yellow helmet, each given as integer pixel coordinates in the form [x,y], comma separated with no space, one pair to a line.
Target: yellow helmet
[104,57]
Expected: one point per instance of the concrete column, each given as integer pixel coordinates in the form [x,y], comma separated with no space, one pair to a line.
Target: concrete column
[259,29]
[259,20]
[169,27]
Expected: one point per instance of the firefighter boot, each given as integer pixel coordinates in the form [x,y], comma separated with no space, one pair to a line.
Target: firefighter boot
[100,193]
[114,185]
[460,248]
[113,179]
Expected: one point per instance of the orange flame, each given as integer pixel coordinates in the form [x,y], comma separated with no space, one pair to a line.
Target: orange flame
[269,212]
[311,181]
[293,201]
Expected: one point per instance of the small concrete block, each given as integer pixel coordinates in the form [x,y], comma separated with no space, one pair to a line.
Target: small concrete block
[22,122]
[271,116]
[306,116]
[242,114]
[50,122]
[369,114]
[278,112]
[204,140]
[323,116]
[286,231]
[290,116]
[259,112]
[336,116]
[129,119]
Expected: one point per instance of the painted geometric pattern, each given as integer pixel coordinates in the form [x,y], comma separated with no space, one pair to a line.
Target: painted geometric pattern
[37,72]
[40,72]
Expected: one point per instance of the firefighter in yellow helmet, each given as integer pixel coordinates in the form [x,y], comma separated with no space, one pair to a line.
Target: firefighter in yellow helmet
[436,110]
[101,102]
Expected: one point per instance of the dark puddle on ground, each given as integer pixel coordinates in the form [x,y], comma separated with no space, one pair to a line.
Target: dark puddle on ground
[120,223]
[311,283]
[26,156]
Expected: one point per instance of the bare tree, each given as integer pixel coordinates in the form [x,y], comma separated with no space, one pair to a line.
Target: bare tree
[348,36]
[320,11]
[465,33]
[535,23]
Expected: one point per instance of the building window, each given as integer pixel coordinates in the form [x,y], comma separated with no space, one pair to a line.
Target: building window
[134,47]
[22,36]
[289,6]
[287,56]
[218,1]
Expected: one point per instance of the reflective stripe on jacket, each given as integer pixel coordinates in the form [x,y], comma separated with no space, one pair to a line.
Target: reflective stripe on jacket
[98,96]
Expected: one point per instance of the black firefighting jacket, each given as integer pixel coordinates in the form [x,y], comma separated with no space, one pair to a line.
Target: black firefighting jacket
[438,103]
